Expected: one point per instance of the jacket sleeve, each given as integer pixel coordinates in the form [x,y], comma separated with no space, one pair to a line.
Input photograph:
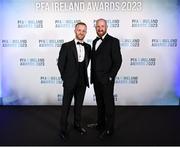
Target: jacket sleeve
[62,60]
[116,58]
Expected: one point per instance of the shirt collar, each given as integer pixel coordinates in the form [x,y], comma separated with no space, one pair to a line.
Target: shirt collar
[76,40]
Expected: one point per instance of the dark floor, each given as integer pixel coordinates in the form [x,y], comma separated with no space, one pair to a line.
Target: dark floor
[135,125]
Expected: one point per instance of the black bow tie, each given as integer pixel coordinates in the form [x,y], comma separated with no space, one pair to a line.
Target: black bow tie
[99,38]
[80,43]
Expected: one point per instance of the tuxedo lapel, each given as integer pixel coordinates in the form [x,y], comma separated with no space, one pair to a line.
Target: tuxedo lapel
[86,54]
[74,50]
[101,45]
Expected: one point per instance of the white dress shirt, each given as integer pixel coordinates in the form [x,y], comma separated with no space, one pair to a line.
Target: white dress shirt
[80,51]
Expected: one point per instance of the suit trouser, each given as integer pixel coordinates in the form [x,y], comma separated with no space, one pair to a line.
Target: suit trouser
[78,92]
[105,104]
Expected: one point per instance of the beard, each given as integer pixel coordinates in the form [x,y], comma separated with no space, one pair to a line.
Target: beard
[80,37]
[101,33]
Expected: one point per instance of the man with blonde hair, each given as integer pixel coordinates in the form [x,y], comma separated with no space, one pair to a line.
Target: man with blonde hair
[73,61]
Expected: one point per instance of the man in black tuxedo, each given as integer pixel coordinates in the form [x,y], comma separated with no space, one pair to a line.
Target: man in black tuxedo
[105,62]
[73,61]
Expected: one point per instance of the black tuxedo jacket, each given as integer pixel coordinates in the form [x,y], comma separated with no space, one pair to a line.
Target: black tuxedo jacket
[68,63]
[106,60]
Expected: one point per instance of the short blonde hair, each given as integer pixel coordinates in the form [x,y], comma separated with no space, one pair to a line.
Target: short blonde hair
[80,23]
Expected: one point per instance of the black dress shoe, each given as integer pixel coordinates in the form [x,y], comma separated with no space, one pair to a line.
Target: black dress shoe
[105,134]
[63,135]
[81,130]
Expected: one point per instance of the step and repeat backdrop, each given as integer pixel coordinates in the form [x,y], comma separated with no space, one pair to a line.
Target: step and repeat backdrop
[33,31]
